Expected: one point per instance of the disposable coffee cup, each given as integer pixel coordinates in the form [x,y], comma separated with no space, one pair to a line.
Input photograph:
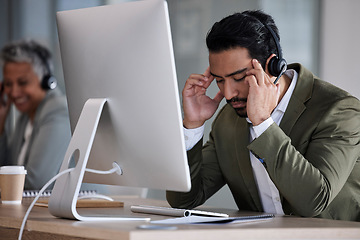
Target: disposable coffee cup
[12,179]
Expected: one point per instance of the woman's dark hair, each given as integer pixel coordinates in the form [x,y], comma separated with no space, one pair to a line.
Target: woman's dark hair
[247,30]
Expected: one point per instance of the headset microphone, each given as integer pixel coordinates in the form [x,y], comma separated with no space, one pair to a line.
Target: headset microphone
[283,70]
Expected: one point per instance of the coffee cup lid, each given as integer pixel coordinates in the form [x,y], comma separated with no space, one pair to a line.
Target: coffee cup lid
[12,170]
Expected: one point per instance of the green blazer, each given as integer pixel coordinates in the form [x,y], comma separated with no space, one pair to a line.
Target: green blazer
[312,157]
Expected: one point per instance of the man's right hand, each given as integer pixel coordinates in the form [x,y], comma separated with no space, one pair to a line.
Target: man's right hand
[198,107]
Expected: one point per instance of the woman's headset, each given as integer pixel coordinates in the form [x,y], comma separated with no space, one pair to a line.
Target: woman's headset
[48,82]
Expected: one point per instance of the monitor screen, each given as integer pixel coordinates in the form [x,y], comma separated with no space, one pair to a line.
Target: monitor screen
[123,54]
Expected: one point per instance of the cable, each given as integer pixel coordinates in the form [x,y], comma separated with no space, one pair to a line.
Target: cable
[37,197]
[96,196]
[114,169]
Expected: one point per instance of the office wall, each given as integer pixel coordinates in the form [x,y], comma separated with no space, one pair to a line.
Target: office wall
[339,48]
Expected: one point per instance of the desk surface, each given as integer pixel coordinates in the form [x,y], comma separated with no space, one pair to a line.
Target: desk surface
[42,225]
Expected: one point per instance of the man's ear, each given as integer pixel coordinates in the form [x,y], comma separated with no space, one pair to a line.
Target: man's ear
[267,64]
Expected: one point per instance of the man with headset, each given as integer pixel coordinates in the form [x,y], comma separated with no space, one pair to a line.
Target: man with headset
[42,131]
[286,142]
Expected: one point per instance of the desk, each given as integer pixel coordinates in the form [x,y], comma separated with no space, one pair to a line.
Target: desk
[42,225]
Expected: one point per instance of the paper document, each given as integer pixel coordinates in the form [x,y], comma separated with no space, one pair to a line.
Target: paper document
[212,220]
[175,212]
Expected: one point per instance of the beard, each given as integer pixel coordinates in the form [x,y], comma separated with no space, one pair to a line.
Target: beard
[240,111]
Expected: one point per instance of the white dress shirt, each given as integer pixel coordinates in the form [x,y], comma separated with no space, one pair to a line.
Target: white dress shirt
[269,194]
[27,135]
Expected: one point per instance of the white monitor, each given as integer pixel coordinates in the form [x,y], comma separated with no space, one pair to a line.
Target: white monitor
[123,100]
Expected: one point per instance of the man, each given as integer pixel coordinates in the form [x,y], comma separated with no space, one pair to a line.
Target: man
[42,132]
[289,147]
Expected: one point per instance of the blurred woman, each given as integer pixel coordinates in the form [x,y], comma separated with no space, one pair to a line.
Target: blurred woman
[42,131]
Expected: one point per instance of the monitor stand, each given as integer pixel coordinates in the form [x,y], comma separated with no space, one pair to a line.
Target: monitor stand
[62,202]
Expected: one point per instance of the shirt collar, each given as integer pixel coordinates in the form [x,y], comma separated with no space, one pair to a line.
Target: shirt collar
[293,75]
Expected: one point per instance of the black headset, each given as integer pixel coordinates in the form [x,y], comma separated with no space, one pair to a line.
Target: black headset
[277,64]
[48,82]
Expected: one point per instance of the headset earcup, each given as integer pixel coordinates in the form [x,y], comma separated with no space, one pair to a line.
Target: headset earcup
[276,65]
[48,82]
[272,66]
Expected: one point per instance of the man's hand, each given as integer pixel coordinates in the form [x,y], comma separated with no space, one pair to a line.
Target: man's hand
[198,107]
[263,94]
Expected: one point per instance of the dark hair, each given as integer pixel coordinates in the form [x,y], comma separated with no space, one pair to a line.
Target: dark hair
[247,30]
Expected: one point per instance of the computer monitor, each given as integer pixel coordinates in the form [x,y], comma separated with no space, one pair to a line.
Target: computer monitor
[123,101]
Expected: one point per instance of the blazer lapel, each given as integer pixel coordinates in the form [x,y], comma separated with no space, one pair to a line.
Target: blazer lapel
[301,94]
[293,112]
[243,157]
